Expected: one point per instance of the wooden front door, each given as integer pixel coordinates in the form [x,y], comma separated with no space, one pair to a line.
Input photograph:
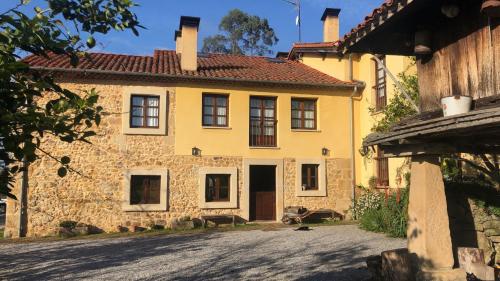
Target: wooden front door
[262,192]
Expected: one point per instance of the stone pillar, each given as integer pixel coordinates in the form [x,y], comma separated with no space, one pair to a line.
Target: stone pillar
[429,240]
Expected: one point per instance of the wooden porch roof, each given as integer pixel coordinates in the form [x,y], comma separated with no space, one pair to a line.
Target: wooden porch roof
[475,132]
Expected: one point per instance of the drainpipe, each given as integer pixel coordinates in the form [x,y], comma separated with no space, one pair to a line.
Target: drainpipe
[351,127]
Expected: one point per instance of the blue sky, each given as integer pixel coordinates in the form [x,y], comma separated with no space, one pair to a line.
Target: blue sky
[161,18]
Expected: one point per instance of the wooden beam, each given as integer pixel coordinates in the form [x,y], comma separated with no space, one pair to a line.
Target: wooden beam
[405,150]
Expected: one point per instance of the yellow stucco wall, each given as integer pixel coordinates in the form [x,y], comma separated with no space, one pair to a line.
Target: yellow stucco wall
[332,131]
[363,70]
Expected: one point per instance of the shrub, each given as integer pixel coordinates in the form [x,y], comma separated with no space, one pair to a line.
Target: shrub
[68,224]
[390,217]
[369,200]
[372,220]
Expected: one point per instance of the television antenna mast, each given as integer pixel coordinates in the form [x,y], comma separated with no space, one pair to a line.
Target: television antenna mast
[298,20]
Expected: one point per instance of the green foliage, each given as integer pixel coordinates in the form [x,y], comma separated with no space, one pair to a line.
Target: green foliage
[369,200]
[398,106]
[483,193]
[389,217]
[64,114]
[241,34]
[372,182]
[68,224]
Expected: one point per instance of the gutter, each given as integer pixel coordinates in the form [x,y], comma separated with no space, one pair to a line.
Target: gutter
[187,78]
[351,127]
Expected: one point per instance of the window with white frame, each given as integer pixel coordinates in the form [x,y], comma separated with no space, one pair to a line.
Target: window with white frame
[145,190]
[310,177]
[218,187]
[145,110]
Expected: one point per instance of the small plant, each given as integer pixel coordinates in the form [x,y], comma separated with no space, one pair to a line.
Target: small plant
[388,217]
[369,200]
[372,182]
[68,224]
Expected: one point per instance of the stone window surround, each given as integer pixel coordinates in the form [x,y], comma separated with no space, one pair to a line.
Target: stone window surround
[163,206]
[233,188]
[163,111]
[321,191]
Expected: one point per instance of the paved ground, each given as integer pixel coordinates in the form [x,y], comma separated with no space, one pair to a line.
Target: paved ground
[324,253]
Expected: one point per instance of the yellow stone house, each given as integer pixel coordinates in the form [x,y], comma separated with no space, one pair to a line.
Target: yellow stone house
[367,102]
[191,134]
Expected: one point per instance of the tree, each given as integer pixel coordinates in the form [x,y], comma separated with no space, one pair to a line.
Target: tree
[241,34]
[399,107]
[59,29]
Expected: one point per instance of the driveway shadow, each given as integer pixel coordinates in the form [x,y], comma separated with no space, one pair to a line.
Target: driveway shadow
[206,256]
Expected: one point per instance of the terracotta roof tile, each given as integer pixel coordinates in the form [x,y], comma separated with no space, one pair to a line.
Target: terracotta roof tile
[386,6]
[210,66]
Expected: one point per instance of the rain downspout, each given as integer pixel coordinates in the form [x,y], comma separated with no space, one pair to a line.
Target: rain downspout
[351,128]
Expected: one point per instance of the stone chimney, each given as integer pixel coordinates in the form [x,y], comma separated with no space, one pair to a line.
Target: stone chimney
[189,42]
[330,21]
[178,43]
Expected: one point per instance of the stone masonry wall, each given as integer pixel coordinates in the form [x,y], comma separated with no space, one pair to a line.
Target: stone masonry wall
[94,194]
[338,186]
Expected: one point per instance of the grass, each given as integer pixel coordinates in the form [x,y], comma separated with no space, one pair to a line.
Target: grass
[1,234]
[163,232]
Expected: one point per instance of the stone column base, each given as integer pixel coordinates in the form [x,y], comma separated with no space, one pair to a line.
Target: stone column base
[457,274]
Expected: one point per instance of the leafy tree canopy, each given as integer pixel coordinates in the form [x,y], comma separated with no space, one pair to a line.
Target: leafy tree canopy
[398,107]
[63,27]
[241,34]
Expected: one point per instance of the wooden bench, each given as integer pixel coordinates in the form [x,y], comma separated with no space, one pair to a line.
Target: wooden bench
[217,219]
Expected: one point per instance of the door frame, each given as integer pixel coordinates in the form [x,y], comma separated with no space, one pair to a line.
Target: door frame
[245,194]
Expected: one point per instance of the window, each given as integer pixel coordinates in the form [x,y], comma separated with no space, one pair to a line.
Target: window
[304,114]
[145,111]
[217,188]
[145,190]
[215,110]
[310,177]
[263,121]
[380,85]
[382,168]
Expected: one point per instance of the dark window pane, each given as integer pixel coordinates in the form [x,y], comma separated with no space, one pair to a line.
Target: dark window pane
[208,110]
[137,100]
[137,111]
[217,187]
[137,121]
[145,190]
[208,120]
[208,100]
[310,177]
[222,101]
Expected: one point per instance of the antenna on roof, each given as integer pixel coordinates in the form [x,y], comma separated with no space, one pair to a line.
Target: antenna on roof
[298,20]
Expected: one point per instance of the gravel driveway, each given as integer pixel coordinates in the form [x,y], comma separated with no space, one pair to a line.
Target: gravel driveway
[324,253]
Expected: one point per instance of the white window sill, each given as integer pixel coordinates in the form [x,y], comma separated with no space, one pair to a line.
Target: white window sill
[265,147]
[306,130]
[216,128]
[144,207]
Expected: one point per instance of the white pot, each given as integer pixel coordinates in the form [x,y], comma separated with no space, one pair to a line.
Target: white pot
[454,105]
